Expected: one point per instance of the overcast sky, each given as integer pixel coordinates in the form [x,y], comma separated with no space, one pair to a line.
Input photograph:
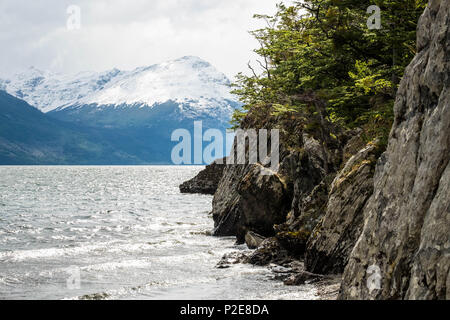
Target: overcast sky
[127,33]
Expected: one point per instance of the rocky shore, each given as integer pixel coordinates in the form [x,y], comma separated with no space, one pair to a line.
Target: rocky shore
[379,217]
[206,181]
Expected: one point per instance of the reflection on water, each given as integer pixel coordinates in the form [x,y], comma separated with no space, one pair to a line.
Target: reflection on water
[117,233]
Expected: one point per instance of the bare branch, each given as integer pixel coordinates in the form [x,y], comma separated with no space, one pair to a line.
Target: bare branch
[253,70]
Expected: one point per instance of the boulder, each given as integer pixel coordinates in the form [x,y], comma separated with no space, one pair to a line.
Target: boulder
[206,181]
[253,240]
[269,251]
[302,278]
[248,200]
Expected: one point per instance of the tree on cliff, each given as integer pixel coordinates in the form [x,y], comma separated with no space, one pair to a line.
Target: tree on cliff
[321,64]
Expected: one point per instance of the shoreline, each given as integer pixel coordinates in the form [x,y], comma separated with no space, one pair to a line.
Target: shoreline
[289,273]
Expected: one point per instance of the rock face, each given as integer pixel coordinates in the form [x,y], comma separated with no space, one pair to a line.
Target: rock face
[405,243]
[294,234]
[253,203]
[311,188]
[305,170]
[332,240]
[247,200]
[206,181]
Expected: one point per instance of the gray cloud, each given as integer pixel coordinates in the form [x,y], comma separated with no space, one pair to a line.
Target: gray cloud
[127,33]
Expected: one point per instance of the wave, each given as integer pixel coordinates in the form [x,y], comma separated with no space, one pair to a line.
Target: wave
[100,248]
[20,255]
[110,266]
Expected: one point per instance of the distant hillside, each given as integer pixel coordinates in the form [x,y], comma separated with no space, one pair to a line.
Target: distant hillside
[27,136]
[194,85]
[119,117]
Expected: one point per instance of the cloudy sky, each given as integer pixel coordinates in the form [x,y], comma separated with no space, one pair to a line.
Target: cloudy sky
[126,33]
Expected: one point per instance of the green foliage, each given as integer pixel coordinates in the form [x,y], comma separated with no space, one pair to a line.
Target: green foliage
[369,80]
[319,59]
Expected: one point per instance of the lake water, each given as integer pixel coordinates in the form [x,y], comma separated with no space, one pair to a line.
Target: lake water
[117,233]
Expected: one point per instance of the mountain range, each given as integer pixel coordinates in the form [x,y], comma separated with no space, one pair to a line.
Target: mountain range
[111,117]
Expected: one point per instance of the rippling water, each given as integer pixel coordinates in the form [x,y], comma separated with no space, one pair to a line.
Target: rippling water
[117,233]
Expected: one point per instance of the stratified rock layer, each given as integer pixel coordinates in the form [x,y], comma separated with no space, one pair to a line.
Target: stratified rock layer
[407,220]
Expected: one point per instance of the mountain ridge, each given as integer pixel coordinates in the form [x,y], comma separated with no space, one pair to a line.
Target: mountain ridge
[188,79]
[133,113]
[30,137]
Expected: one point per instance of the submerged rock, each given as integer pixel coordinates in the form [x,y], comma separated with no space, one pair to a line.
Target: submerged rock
[232,258]
[302,278]
[403,251]
[206,181]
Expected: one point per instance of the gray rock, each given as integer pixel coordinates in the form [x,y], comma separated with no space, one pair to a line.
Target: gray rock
[294,234]
[253,240]
[232,258]
[332,240]
[269,251]
[431,265]
[353,145]
[247,200]
[225,205]
[302,278]
[206,181]
[305,169]
[407,220]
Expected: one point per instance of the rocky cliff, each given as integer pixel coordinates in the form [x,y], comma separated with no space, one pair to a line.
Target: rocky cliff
[286,204]
[247,200]
[383,219]
[332,239]
[407,220]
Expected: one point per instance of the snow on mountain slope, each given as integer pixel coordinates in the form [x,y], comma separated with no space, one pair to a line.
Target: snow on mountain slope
[186,81]
[48,91]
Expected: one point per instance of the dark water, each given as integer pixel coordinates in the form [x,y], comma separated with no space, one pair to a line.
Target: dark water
[117,233]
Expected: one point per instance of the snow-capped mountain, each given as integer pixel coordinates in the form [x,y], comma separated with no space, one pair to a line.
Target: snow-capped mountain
[47,91]
[192,83]
[119,116]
